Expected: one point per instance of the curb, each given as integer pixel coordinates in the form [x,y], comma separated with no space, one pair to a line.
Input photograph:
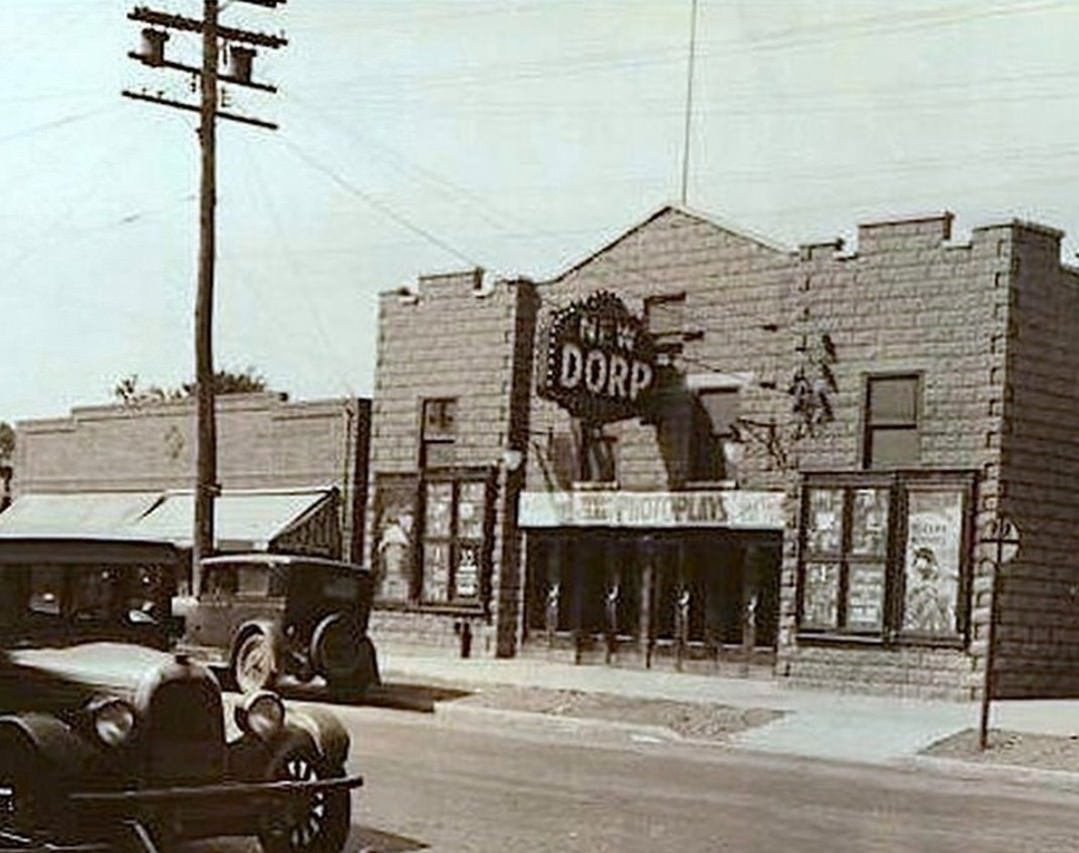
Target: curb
[974,771]
[537,723]
[599,732]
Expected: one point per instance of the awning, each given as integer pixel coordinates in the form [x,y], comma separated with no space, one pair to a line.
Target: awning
[76,514]
[243,520]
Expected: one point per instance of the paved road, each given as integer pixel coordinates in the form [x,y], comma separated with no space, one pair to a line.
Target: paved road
[431,787]
[445,789]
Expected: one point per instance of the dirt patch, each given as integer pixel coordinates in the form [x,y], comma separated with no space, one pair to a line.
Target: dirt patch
[688,719]
[1044,752]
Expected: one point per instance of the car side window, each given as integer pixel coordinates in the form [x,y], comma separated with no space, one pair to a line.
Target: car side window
[253,581]
[220,580]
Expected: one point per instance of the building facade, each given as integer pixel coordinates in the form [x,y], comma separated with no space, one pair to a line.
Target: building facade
[843,468]
[293,475]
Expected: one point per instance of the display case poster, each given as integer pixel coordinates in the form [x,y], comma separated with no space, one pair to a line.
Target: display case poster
[820,595]
[467,576]
[932,561]
[436,571]
[824,530]
[865,597]
[439,505]
[394,535]
[471,509]
[869,523]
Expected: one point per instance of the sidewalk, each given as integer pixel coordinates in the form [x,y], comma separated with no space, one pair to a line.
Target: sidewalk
[817,724]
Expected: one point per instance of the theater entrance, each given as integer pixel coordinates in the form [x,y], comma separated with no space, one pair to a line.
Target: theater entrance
[684,598]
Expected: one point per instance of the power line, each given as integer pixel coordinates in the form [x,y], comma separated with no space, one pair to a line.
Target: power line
[378,205]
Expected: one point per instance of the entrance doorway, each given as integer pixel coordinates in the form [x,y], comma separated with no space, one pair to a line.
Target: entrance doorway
[681,595]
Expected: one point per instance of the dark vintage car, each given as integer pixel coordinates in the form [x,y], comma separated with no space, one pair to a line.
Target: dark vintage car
[108,738]
[268,615]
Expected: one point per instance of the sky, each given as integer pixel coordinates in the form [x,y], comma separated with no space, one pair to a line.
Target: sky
[425,136]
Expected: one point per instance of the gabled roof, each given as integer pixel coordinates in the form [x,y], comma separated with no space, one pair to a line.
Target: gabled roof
[667,210]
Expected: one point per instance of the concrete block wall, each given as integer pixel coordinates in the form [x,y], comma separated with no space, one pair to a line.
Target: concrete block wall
[457,336]
[1037,649]
[264,441]
[907,300]
[733,285]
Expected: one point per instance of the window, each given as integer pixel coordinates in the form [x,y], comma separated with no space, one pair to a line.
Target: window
[891,422]
[456,532]
[885,558]
[712,430]
[665,317]
[438,432]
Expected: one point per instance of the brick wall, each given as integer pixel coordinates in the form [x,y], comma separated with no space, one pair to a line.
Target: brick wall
[455,336]
[1037,649]
[264,441]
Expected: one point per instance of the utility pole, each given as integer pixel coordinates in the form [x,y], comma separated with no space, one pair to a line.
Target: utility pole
[238,45]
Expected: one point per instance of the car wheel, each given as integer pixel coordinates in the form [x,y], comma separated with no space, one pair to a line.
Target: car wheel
[317,823]
[336,653]
[254,665]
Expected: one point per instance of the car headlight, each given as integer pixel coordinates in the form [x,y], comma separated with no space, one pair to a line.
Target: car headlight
[261,714]
[114,720]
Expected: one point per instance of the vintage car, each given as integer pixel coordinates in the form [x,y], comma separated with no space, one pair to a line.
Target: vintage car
[109,738]
[267,615]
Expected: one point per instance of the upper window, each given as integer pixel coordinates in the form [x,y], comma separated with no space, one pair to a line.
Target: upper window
[891,422]
[439,432]
[665,316]
[712,431]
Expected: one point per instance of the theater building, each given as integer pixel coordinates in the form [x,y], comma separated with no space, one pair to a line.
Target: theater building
[697,449]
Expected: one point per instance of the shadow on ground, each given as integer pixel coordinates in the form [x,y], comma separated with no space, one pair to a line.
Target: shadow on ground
[367,839]
[402,696]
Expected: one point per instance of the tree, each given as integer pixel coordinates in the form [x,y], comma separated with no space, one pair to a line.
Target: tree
[7,442]
[130,393]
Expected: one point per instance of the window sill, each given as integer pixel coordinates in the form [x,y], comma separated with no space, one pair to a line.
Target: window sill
[431,608]
[877,641]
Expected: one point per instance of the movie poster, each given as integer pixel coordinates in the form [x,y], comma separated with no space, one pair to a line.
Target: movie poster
[933,559]
[824,532]
[820,595]
[393,554]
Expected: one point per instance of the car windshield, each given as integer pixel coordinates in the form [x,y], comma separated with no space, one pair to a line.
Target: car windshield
[83,593]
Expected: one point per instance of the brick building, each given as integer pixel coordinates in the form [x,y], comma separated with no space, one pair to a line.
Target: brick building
[293,475]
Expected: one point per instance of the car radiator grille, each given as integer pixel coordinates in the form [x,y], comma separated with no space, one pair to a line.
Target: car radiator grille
[182,733]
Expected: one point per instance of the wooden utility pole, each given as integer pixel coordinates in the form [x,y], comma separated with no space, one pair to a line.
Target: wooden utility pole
[206,465]
[155,35]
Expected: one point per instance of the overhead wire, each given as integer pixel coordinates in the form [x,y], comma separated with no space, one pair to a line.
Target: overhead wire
[282,241]
[379,205]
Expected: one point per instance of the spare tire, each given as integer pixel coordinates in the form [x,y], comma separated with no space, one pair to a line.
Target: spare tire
[336,652]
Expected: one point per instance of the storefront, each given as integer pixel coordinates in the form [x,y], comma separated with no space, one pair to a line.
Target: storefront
[653,576]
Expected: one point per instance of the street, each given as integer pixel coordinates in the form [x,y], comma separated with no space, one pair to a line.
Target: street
[431,787]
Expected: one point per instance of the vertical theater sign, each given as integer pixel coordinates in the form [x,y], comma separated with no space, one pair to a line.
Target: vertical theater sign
[599,360]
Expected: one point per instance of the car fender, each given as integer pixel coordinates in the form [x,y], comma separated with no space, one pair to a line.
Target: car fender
[61,748]
[324,728]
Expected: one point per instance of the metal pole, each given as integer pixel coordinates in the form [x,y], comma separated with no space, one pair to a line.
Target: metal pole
[990,652]
[689,101]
